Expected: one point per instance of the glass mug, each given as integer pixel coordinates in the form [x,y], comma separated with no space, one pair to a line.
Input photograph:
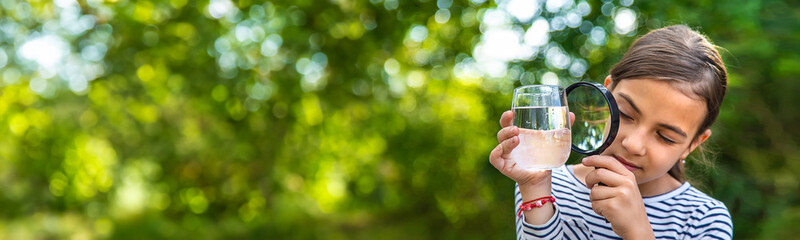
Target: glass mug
[542,116]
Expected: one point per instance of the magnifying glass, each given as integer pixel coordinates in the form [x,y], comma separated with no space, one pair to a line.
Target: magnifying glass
[596,117]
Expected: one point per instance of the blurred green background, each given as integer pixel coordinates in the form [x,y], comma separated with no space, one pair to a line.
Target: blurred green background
[343,119]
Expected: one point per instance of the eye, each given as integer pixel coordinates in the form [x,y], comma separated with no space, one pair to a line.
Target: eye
[625,115]
[669,141]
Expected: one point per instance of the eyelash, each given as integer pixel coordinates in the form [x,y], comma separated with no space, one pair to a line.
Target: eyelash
[666,139]
[663,138]
[625,115]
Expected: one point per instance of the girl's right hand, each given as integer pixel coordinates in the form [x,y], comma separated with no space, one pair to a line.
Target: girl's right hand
[501,155]
[532,183]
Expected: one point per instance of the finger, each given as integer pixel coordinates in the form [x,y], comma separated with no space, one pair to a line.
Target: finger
[495,157]
[602,175]
[507,118]
[607,162]
[508,145]
[600,193]
[601,207]
[571,119]
[506,133]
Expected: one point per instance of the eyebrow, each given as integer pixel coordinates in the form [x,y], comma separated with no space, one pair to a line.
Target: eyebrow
[630,102]
[667,126]
[673,128]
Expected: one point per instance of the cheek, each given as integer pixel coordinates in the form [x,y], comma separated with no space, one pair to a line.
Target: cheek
[665,156]
[616,145]
[622,132]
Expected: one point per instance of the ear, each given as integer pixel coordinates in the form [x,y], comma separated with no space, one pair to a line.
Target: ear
[607,82]
[696,142]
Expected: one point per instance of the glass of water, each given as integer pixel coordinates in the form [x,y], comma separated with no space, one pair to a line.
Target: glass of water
[542,115]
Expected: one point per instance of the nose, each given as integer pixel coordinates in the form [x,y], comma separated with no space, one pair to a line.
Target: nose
[634,141]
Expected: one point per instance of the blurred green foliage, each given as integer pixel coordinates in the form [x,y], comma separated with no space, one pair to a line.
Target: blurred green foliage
[342,119]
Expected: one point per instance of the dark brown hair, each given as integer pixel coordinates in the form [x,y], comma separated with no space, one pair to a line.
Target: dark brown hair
[682,56]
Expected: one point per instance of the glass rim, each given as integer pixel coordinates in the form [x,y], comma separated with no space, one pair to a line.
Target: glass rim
[539,86]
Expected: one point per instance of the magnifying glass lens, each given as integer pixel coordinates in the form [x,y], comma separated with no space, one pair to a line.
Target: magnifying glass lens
[596,117]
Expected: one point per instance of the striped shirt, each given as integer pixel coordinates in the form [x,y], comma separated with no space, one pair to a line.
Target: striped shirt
[683,213]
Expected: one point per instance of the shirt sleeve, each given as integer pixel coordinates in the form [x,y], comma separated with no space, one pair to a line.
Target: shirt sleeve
[552,229]
[711,221]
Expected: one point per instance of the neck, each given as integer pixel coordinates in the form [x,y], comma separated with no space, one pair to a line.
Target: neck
[659,186]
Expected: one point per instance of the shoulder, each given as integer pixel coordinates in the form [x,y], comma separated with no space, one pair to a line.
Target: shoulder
[703,201]
[699,203]
[709,217]
[700,215]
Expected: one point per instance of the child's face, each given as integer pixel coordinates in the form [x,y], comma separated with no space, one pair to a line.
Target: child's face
[657,126]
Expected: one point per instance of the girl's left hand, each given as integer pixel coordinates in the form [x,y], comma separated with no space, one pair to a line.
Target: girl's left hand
[619,201]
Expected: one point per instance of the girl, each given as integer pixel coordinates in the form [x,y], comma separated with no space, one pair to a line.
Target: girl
[669,87]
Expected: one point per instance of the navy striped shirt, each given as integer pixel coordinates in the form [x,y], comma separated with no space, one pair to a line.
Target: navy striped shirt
[683,213]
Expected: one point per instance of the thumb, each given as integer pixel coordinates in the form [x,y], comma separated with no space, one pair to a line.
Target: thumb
[571,119]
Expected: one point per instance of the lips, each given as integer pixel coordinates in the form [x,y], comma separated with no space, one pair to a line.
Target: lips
[627,164]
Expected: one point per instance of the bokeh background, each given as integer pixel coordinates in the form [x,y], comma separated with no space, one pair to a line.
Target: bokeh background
[343,119]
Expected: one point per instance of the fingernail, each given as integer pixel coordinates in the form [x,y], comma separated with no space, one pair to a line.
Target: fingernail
[583,160]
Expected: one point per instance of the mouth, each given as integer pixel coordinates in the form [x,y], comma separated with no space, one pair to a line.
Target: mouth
[627,164]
